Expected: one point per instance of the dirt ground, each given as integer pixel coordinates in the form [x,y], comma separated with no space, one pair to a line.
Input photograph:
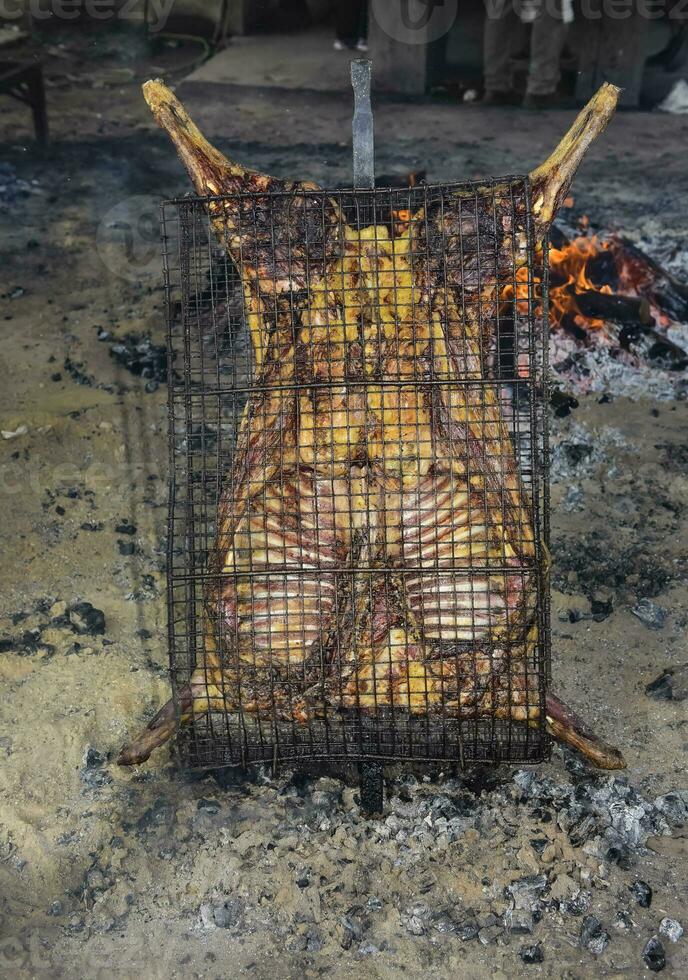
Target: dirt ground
[155,873]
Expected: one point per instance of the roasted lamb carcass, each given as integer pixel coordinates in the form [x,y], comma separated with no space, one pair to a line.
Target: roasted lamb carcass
[370,441]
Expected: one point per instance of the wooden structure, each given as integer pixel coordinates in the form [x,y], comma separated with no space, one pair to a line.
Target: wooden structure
[24,81]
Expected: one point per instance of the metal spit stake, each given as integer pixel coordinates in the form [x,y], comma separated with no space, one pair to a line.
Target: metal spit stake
[362,126]
[370,772]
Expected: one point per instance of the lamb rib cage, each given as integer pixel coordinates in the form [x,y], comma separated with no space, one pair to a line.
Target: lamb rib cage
[358,513]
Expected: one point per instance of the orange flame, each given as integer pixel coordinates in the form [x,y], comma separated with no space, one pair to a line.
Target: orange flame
[570,263]
[569,276]
[522,290]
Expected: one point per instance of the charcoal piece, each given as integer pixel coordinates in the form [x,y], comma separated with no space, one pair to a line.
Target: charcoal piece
[208,806]
[85,619]
[77,373]
[561,232]
[601,605]
[654,955]
[93,759]
[125,527]
[650,613]
[562,403]
[598,943]
[671,928]
[139,355]
[30,640]
[674,806]
[642,893]
[532,954]
[519,921]
[228,914]
[443,922]
[590,929]
[600,610]
[622,921]
[489,934]
[671,685]
[621,856]
[525,892]
[467,930]
[352,926]
[578,904]
[302,878]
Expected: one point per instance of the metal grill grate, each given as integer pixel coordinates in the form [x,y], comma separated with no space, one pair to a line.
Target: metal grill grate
[358,510]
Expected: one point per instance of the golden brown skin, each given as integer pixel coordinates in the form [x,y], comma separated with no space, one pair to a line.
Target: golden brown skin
[345,465]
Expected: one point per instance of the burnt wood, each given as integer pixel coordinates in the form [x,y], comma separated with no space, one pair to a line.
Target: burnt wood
[613,306]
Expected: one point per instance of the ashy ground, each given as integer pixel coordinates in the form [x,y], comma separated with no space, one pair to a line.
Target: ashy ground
[153,873]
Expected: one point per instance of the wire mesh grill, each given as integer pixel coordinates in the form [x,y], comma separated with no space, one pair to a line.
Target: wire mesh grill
[358,510]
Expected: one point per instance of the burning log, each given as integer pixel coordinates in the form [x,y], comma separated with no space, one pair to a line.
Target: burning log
[613,306]
[593,281]
[355,447]
[610,293]
[663,290]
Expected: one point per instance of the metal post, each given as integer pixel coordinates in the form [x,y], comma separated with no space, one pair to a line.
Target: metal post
[369,772]
[371,787]
[362,126]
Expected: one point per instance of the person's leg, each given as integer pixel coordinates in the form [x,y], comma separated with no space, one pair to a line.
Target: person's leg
[362,7]
[497,37]
[347,14]
[547,41]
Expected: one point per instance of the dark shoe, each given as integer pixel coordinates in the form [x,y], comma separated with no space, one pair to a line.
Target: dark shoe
[495,97]
[553,100]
